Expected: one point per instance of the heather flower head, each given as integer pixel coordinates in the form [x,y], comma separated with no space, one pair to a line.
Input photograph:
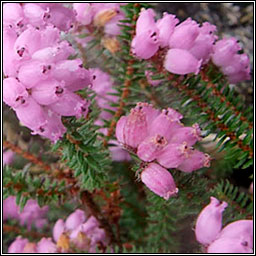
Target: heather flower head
[159,180]
[209,222]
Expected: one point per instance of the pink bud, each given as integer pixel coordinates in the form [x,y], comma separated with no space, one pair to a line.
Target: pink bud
[194,161]
[50,36]
[112,27]
[48,91]
[184,35]
[54,54]
[117,153]
[70,104]
[83,12]
[135,128]
[240,229]
[165,124]
[145,45]
[27,43]
[14,92]
[75,219]
[159,180]
[190,135]
[229,245]
[172,155]
[145,21]
[31,114]
[46,245]
[181,62]
[149,149]
[209,222]
[72,72]
[58,229]
[166,27]
[18,245]
[32,72]
[224,51]
[89,225]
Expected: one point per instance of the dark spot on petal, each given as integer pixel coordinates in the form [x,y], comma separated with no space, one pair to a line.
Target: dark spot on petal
[59,90]
[93,77]
[41,129]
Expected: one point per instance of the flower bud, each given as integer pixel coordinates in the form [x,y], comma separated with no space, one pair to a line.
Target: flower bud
[145,21]
[172,155]
[120,129]
[12,14]
[194,161]
[30,248]
[229,245]
[150,112]
[181,62]
[159,180]
[241,229]
[209,222]
[83,12]
[150,148]
[75,219]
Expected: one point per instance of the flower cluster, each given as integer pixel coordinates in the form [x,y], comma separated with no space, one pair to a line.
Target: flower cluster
[31,215]
[189,46]
[78,231]
[159,136]
[40,79]
[236,237]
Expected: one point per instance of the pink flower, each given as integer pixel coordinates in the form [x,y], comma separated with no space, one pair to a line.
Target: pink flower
[75,219]
[172,155]
[12,15]
[181,62]
[151,147]
[32,72]
[190,135]
[8,157]
[10,209]
[30,248]
[159,180]
[46,245]
[150,112]
[58,229]
[229,245]
[84,12]
[70,104]
[132,130]
[145,21]
[165,124]
[18,245]
[14,92]
[184,35]
[194,161]
[240,229]
[209,222]
[166,27]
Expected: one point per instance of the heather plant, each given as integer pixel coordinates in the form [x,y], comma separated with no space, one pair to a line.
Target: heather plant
[125,125]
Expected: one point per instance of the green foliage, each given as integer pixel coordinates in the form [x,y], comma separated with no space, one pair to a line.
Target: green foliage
[24,186]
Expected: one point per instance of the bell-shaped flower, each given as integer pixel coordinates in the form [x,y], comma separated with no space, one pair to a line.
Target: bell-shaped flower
[209,222]
[181,62]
